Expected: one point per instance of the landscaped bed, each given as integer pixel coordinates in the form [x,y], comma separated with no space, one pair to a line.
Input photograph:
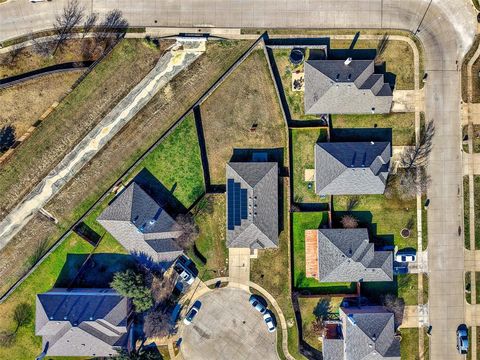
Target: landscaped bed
[466,210]
[399,128]
[308,221]
[303,143]
[243,113]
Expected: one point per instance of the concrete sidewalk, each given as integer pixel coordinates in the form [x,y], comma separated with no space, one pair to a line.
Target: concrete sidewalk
[239,266]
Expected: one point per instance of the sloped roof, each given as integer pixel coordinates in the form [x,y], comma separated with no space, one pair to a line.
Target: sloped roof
[259,228]
[331,87]
[349,168]
[82,322]
[346,255]
[368,334]
[141,225]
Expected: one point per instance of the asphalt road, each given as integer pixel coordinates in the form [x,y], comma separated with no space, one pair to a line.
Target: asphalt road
[227,327]
[446,29]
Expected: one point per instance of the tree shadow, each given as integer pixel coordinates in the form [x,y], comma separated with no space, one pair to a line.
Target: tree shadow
[163,196]
[322,309]
[7,138]
[97,271]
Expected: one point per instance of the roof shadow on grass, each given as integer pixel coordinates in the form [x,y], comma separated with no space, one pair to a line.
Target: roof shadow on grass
[360,134]
[273,155]
[97,272]
[163,196]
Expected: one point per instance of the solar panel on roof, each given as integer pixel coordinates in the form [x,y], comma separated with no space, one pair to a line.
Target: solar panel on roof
[236,205]
[244,203]
[230,204]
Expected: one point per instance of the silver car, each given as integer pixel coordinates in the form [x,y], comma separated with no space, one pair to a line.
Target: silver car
[268,318]
[257,304]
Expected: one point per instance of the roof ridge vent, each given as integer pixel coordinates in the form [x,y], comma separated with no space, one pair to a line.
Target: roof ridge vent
[337,77]
[348,61]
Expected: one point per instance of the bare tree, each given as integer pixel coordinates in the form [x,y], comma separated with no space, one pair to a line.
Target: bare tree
[411,182]
[353,202]
[111,29]
[349,222]
[89,24]
[189,231]
[162,288]
[396,305]
[417,156]
[22,315]
[157,323]
[65,22]
[10,58]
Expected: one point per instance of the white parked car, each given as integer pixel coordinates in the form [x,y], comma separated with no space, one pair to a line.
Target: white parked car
[267,317]
[405,257]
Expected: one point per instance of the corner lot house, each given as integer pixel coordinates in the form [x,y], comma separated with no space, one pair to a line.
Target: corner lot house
[142,226]
[351,168]
[345,255]
[365,333]
[345,87]
[252,205]
[82,322]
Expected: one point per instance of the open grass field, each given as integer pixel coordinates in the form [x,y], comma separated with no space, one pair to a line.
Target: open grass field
[384,218]
[409,344]
[26,344]
[27,59]
[104,170]
[80,111]
[307,221]
[303,143]
[246,98]
[23,104]
[399,128]
[294,98]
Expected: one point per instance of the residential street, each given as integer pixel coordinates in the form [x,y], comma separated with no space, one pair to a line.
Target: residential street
[446,29]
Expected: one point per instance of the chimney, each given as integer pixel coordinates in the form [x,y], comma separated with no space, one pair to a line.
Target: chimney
[348,61]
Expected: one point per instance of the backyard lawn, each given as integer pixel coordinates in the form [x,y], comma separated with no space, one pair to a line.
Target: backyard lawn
[404,286]
[243,113]
[385,218]
[399,128]
[303,143]
[210,255]
[294,98]
[306,221]
[26,345]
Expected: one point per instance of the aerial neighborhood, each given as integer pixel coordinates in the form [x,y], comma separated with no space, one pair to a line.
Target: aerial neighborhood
[201,181]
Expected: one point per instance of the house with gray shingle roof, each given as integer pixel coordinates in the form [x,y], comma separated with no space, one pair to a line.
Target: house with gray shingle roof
[366,333]
[252,205]
[346,255]
[141,225]
[351,168]
[345,87]
[82,322]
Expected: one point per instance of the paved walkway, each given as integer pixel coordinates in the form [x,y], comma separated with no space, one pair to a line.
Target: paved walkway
[182,54]
[408,100]
[415,316]
[471,165]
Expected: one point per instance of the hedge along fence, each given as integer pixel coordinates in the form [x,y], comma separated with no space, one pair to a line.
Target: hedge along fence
[132,168]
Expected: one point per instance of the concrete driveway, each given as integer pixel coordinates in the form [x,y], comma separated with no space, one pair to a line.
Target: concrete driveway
[227,327]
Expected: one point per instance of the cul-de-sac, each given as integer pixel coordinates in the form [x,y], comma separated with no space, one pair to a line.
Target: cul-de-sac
[240,179]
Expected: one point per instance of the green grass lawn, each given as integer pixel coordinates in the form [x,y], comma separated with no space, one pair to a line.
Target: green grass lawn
[303,143]
[404,286]
[396,127]
[384,217]
[294,98]
[425,288]
[210,255]
[466,208]
[409,344]
[26,344]
[466,212]
[306,221]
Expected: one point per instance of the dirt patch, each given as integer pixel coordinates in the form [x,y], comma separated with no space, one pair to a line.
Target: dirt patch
[78,113]
[26,59]
[149,124]
[23,104]
[247,98]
